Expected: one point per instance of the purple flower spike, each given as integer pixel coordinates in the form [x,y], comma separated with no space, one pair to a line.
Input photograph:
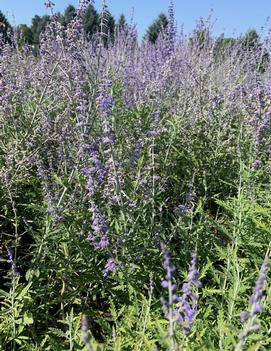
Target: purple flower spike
[183,313]
[259,287]
[12,262]
[105,102]
[193,274]
[249,317]
[98,235]
[110,266]
[187,307]
[168,306]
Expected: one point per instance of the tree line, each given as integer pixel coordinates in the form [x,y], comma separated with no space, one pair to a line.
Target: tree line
[249,42]
[91,22]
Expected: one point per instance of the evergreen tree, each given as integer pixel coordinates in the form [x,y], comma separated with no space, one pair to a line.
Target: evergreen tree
[25,34]
[121,24]
[59,17]
[5,27]
[69,15]
[91,20]
[251,40]
[111,24]
[251,43]
[221,46]
[38,26]
[158,26]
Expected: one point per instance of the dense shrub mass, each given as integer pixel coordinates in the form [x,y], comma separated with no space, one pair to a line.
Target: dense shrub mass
[135,191]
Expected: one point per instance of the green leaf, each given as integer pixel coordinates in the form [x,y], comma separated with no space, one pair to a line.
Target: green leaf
[28,318]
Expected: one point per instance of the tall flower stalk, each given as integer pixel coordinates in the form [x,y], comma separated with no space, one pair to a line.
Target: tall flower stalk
[180,310]
[250,317]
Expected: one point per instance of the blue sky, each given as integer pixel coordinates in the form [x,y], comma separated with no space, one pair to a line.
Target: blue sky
[229,16]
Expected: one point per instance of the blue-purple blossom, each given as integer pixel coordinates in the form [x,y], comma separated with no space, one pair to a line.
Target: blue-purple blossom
[255,301]
[105,102]
[11,261]
[92,169]
[256,164]
[50,195]
[193,275]
[171,30]
[49,4]
[136,152]
[98,235]
[110,266]
[190,197]
[259,287]
[188,303]
[181,310]
[168,284]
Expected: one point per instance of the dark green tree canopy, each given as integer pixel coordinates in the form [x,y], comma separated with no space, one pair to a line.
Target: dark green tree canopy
[222,45]
[251,40]
[158,26]
[4,26]
[251,43]
[122,23]
[38,26]
[91,20]
[25,34]
[69,15]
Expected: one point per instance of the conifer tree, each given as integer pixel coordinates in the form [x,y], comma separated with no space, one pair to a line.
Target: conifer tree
[91,20]
[158,26]
[69,15]
[5,27]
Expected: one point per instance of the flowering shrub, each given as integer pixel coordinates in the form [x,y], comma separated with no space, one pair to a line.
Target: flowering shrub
[120,162]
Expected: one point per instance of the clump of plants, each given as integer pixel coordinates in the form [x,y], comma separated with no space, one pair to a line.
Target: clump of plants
[135,190]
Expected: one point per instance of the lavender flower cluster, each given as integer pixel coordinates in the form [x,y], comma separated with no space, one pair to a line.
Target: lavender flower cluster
[255,301]
[180,309]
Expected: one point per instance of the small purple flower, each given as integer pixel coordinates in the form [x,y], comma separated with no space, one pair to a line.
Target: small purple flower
[110,266]
[12,262]
[151,285]
[98,234]
[193,275]
[168,284]
[256,164]
[263,126]
[102,243]
[136,152]
[153,132]
[259,287]
[49,4]
[105,102]
[156,116]
[156,177]
[107,140]
[165,284]
[190,198]
[187,307]
[183,313]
